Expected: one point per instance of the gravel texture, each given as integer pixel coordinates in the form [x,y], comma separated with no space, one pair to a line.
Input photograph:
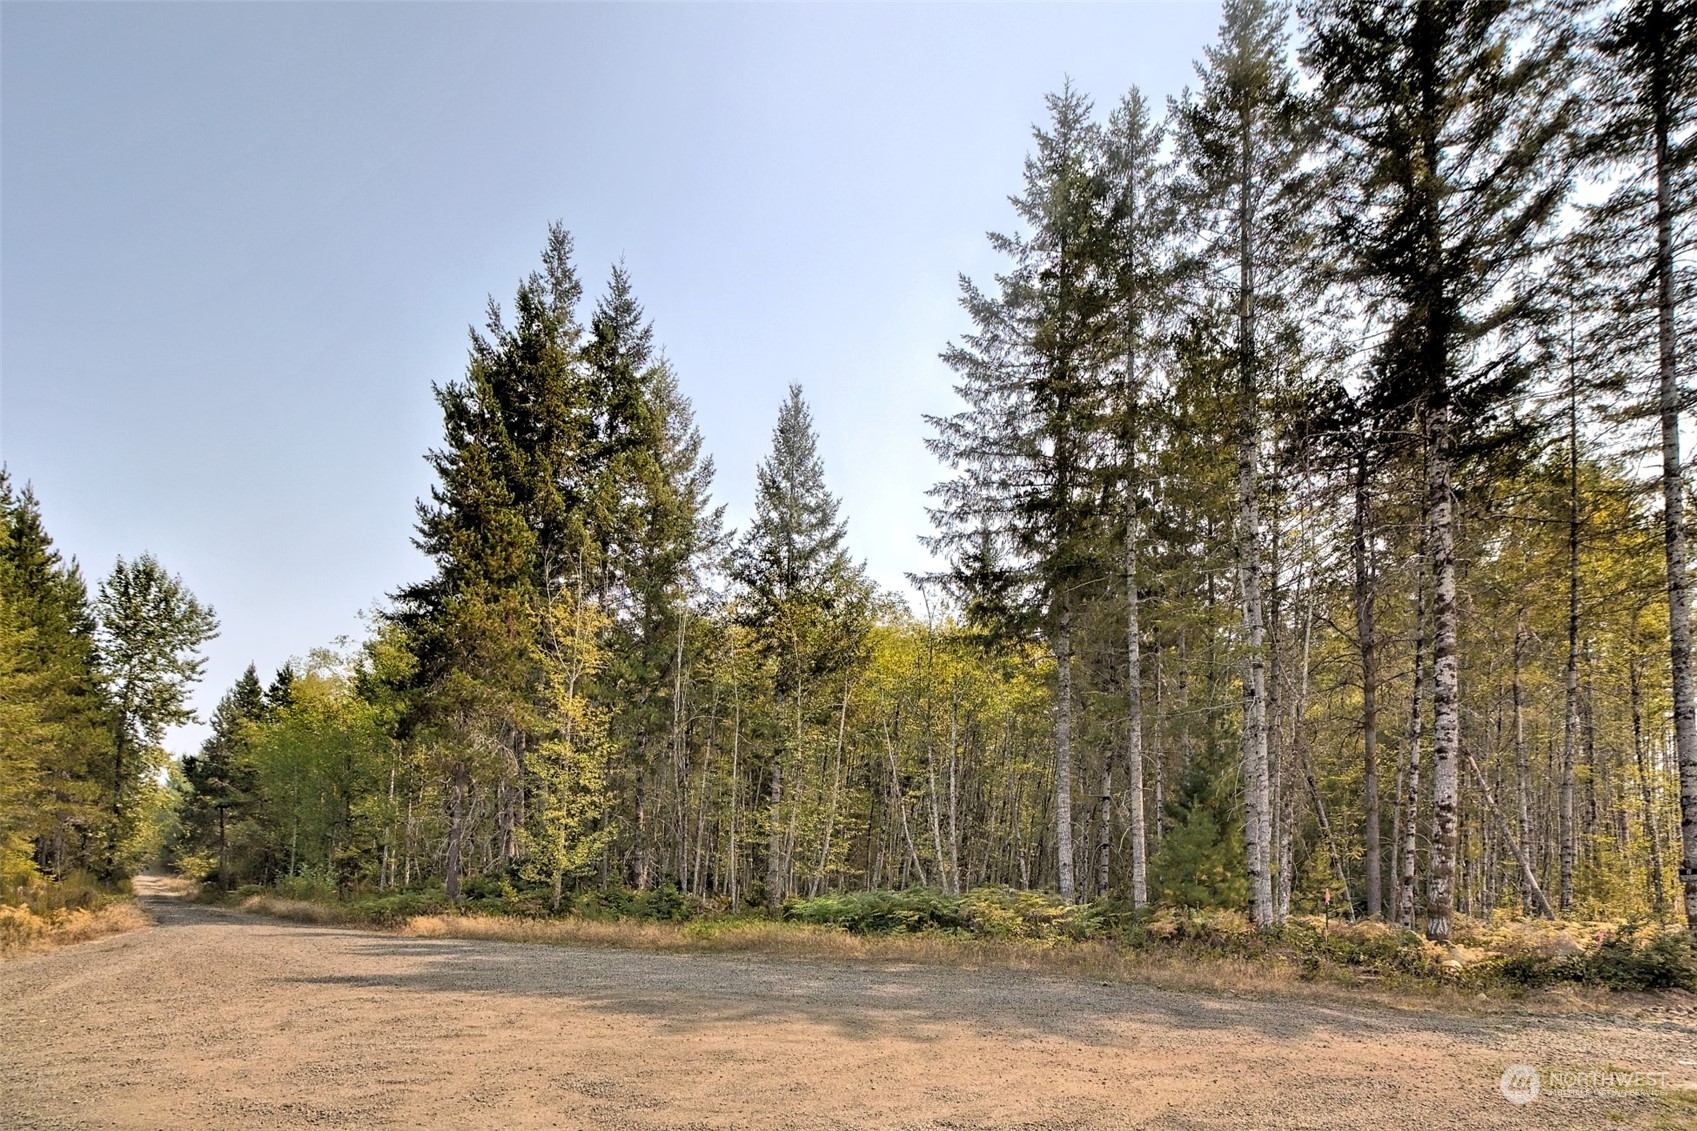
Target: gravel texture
[213,1018]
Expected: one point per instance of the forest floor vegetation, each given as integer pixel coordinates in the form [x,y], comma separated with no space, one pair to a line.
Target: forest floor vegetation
[41,914]
[1513,962]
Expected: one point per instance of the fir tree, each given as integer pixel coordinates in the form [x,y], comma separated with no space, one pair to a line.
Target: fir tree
[1243,142]
[1647,146]
[221,777]
[1447,121]
[54,693]
[1024,447]
[800,594]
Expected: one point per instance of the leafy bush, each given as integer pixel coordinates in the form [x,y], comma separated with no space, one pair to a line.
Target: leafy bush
[77,891]
[1641,956]
[309,883]
[666,904]
[987,912]
[879,912]
[394,910]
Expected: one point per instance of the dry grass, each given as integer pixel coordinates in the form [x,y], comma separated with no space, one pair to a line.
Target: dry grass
[303,911]
[1101,961]
[1095,960]
[22,931]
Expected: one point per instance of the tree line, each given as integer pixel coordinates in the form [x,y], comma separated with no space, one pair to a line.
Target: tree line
[1303,542]
[88,686]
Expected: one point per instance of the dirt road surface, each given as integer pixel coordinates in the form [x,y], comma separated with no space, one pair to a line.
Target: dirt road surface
[215,1019]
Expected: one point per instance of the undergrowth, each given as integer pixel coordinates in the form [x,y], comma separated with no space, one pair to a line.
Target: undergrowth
[1508,957]
[43,913]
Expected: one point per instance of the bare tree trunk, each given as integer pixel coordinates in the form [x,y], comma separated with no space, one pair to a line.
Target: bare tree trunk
[1298,710]
[1446,687]
[1522,764]
[1369,686]
[1257,817]
[456,829]
[1063,750]
[1646,794]
[733,846]
[954,802]
[1531,880]
[1326,831]
[775,825]
[936,801]
[1570,720]
[1416,719]
[836,783]
[1134,725]
[1673,480]
[1156,826]
[900,804]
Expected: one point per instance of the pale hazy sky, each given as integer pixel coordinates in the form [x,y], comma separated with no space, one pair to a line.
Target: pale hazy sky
[239,241]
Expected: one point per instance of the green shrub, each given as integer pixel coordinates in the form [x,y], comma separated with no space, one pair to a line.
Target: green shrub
[879,912]
[309,883]
[394,910]
[76,891]
[1641,956]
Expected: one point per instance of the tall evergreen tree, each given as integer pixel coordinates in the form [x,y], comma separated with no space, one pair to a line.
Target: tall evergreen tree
[1138,252]
[1449,119]
[1243,142]
[1025,447]
[221,777]
[799,592]
[1647,146]
[60,729]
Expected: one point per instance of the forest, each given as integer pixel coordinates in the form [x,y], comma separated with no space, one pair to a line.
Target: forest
[1310,537]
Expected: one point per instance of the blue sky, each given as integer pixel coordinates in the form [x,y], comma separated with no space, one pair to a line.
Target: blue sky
[239,242]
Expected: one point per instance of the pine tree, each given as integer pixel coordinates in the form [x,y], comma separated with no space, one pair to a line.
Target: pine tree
[506,524]
[1448,119]
[800,595]
[221,777]
[1648,100]
[1138,252]
[1025,448]
[60,723]
[651,506]
[1243,144]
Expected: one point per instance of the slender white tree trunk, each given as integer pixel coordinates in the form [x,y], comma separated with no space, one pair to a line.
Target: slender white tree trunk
[1446,687]
[1673,501]
[1256,801]
[1063,751]
[1134,723]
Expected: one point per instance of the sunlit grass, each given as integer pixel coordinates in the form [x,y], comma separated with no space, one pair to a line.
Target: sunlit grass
[23,931]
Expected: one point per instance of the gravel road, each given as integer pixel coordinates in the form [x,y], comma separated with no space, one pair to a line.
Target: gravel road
[222,1020]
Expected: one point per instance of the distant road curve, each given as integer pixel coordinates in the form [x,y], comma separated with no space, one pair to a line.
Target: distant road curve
[215,1019]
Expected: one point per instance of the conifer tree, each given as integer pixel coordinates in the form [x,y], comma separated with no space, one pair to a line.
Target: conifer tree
[221,777]
[60,720]
[1025,448]
[1448,122]
[800,594]
[1138,262]
[1647,146]
[1243,143]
